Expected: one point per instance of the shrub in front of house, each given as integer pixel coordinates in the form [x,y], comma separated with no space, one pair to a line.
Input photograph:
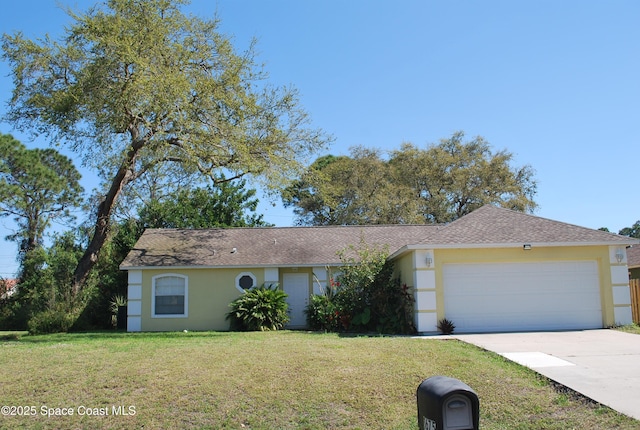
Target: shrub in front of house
[384,305]
[365,297]
[321,314]
[259,309]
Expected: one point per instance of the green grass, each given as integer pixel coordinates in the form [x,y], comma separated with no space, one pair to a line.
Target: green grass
[631,328]
[271,380]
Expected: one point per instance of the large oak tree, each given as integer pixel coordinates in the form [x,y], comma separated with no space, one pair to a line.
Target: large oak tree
[352,190]
[454,177]
[137,83]
[434,185]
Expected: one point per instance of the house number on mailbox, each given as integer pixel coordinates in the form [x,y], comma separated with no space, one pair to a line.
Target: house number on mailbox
[428,424]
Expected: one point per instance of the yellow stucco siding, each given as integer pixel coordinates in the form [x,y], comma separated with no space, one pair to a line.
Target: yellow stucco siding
[403,268]
[209,293]
[600,254]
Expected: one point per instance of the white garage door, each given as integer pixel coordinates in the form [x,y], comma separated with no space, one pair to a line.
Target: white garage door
[522,296]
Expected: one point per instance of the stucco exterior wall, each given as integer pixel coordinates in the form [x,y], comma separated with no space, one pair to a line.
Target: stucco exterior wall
[208,296]
[403,269]
[210,291]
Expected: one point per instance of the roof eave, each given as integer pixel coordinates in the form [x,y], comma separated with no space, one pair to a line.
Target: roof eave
[233,266]
[426,246]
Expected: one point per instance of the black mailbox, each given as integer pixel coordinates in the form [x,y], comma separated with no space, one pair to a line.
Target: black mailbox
[447,404]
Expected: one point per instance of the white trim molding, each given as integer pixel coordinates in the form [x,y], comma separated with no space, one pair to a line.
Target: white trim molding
[620,290]
[134,300]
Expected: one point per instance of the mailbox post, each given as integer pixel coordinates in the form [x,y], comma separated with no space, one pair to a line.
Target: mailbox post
[447,404]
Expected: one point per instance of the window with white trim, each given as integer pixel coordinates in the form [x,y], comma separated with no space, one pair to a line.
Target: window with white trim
[169,296]
[246,281]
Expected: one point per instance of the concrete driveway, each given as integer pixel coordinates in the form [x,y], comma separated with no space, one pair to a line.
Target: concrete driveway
[603,365]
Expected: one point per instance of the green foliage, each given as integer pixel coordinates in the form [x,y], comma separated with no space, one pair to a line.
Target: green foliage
[44,301]
[37,186]
[13,315]
[107,279]
[454,178]
[55,320]
[363,318]
[46,290]
[434,185]
[352,190]
[391,304]
[46,275]
[114,306]
[321,314]
[260,309]
[364,297]
[633,231]
[361,265]
[226,205]
[446,326]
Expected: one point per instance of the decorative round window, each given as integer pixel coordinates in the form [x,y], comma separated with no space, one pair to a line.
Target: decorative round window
[245,281]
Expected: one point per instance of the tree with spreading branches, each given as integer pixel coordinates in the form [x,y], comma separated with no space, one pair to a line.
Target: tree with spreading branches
[438,184]
[137,83]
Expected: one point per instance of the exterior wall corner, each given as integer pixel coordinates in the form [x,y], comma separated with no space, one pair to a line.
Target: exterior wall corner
[134,301]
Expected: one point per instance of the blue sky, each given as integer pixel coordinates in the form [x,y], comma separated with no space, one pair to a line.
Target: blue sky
[557,83]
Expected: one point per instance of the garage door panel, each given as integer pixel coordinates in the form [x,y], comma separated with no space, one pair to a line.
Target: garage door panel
[522,296]
[523,322]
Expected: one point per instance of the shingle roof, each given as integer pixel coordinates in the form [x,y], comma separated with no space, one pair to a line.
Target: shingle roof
[312,246]
[281,246]
[494,225]
[633,256]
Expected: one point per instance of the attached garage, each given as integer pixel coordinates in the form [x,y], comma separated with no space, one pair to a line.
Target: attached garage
[550,295]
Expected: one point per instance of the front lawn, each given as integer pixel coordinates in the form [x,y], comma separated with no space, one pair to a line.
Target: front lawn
[272,380]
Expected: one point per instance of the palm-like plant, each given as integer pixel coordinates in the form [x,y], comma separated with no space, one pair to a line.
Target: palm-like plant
[446,326]
[260,309]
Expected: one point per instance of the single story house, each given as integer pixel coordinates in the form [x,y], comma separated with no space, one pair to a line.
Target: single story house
[491,270]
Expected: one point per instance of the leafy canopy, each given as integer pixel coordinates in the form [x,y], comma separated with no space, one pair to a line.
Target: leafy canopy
[226,205]
[434,185]
[141,76]
[633,231]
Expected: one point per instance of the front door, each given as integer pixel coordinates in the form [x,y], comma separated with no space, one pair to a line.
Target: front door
[296,285]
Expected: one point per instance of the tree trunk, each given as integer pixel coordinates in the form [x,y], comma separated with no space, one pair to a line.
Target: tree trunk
[103,220]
